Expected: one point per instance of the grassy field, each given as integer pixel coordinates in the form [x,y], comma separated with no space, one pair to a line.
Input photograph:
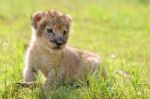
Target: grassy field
[118,30]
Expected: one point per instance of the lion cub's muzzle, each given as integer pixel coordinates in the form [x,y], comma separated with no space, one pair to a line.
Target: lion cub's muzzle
[59,41]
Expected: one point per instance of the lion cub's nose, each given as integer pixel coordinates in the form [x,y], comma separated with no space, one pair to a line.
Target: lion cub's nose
[59,41]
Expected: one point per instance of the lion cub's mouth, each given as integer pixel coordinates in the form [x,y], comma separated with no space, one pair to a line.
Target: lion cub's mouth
[57,48]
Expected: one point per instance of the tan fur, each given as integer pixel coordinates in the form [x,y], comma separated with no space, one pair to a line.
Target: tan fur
[59,65]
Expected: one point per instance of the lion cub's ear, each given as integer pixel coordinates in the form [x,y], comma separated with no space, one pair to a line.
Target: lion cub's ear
[36,17]
[69,18]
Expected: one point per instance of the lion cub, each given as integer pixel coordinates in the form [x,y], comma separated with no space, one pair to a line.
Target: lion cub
[49,54]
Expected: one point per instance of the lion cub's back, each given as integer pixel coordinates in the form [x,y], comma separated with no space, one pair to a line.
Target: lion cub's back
[78,63]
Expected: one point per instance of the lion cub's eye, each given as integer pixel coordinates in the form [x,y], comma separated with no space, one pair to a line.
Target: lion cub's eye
[49,30]
[65,32]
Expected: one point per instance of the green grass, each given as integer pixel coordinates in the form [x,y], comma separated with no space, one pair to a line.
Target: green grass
[118,30]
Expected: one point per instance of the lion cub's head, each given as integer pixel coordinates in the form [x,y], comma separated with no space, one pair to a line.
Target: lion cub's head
[51,28]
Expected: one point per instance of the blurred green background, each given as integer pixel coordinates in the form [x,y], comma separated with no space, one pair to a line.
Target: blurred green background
[118,30]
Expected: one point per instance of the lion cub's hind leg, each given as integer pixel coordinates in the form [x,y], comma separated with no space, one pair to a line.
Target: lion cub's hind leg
[93,62]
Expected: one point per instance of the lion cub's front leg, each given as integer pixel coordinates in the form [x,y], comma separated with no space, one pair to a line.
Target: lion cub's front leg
[29,78]
[54,78]
[30,70]
[29,75]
